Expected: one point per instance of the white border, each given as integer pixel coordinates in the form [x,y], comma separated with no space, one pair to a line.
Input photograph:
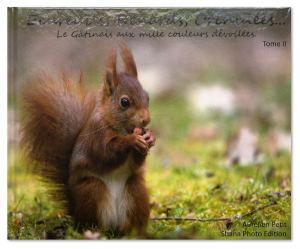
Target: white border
[156,3]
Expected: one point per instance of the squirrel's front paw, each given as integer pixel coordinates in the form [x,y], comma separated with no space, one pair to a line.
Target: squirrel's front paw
[140,144]
[150,138]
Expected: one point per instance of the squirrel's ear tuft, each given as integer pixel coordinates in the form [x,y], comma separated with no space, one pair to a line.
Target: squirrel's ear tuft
[111,77]
[130,67]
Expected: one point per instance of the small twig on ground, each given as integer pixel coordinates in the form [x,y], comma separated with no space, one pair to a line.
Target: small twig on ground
[178,218]
[213,219]
[273,203]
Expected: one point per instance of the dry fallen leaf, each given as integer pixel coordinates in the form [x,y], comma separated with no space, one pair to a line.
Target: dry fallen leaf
[243,148]
[278,140]
[283,184]
[89,235]
[277,194]
[190,215]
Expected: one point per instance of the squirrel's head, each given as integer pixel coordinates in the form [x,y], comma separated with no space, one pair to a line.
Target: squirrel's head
[124,101]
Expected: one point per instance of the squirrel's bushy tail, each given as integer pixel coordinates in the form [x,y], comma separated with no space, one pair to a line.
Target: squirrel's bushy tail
[53,113]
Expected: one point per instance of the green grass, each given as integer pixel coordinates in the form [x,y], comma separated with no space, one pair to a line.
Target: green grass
[186,190]
[184,178]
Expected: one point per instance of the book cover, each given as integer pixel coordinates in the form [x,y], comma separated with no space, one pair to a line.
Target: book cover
[219,87]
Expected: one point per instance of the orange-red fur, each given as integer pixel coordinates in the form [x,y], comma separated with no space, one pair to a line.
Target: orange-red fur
[91,148]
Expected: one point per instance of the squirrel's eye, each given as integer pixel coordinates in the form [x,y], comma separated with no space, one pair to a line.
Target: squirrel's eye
[125,102]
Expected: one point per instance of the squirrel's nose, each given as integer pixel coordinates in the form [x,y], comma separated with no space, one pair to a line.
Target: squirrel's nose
[146,118]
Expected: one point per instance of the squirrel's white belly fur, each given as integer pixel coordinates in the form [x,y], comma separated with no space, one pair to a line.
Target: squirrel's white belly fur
[115,213]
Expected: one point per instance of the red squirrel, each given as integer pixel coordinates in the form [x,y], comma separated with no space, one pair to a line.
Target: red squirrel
[91,148]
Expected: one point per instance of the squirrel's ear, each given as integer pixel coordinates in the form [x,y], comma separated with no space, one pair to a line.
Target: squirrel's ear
[111,77]
[130,67]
